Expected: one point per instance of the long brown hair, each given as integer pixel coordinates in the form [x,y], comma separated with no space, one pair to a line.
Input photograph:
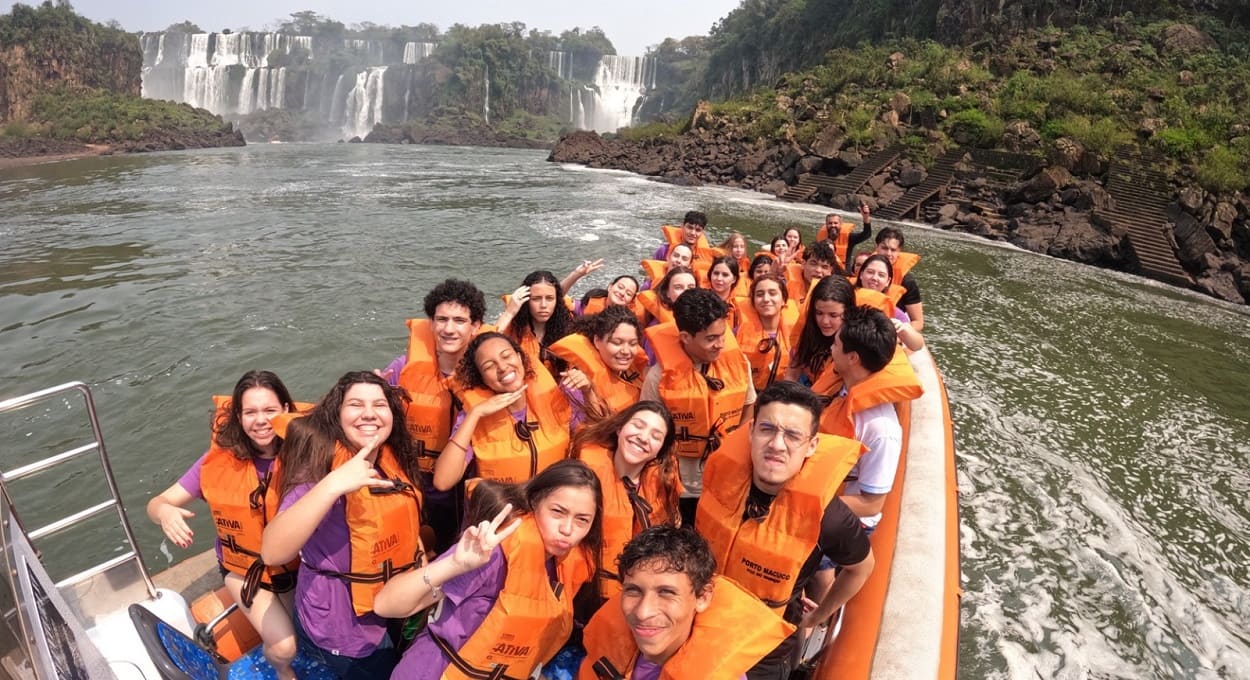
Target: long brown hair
[605,433]
[313,460]
[227,424]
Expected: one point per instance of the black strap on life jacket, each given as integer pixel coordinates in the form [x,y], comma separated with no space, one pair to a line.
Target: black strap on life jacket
[524,430]
[604,670]
[497,671]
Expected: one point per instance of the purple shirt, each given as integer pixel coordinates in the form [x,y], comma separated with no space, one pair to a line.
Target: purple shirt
[324,603]
[190,482]
[467,599]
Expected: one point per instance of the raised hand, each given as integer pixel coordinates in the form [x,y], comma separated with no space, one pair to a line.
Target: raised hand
[174,524]
[574,379]
[519,297]
[500,401]
[588,266]
[478,542]
[357,473]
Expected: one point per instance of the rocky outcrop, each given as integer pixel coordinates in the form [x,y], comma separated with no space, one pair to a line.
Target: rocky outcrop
[1052,210]
[177,140]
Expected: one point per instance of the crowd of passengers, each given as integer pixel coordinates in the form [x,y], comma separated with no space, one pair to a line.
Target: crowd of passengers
[666,473]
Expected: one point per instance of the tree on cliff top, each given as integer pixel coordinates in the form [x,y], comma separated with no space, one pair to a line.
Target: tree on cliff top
[55,29]
[310,23]
[184,26]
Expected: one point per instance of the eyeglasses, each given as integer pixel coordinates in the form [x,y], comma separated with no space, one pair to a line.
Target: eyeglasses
[792,438]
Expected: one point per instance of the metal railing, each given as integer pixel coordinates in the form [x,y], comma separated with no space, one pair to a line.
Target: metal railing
[74,519]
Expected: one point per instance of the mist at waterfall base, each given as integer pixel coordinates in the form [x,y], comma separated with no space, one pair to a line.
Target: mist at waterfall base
[238,74]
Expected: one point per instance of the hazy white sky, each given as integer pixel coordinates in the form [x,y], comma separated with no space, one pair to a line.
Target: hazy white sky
[632,25]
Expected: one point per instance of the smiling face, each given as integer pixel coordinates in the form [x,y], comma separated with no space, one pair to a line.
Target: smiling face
[453,327]
[767,299]
[257,408]
[829,317]
[659,607]
[542,301]
[500,366]
[365,414]
[833,224]
[781,248]
[874,276]
[564,517]
[679,256]
[618,348]
[782,437]
[690,233]
[622,292]
[721,279]
[679,284]
[640,438]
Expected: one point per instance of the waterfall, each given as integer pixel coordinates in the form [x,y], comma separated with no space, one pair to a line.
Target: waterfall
[371,51]
[363,106]
[622,83]
[416,51]
[486,99]
[561,62]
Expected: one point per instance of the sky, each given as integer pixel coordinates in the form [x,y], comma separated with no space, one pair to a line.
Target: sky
[631,26]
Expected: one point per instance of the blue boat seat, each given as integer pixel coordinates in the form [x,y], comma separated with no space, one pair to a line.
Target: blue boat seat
[178,657]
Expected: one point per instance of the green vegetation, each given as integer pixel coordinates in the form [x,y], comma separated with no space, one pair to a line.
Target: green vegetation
[103,117]
[55,30]
[1103,87]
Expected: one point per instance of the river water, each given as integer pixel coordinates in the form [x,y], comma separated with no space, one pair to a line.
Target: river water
[1101,420]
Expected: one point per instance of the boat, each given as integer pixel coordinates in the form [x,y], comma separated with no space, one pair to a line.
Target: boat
[114,620]
[904,622]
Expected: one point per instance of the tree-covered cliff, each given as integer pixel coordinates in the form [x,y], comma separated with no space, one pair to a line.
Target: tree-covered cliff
[65,79]
[762,39]
[50,45]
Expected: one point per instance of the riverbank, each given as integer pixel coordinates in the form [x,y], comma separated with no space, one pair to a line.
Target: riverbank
[16,153]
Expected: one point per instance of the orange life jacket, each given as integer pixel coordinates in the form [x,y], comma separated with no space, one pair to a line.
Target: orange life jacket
[903,264]
[650,302]
[703,252]
[625,512]
[865,297]
[843,241]
[727,639]
[384,530]
[654,270]
[499,449]
[619,389]
[701,414]
[598,304]
[796,287]
[769,357]
[241,503]
[433,409]
[765,555]
[895,383]
[531,618]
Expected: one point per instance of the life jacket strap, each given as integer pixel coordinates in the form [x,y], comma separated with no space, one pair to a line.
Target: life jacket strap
[387,572]
[497,671]
[604,670]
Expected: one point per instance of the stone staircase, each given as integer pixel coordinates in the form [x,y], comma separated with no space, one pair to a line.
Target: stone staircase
[810,185]
[1141,196]
[936,182]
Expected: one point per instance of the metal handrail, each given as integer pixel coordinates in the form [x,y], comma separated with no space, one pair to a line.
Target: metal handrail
[25,400]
